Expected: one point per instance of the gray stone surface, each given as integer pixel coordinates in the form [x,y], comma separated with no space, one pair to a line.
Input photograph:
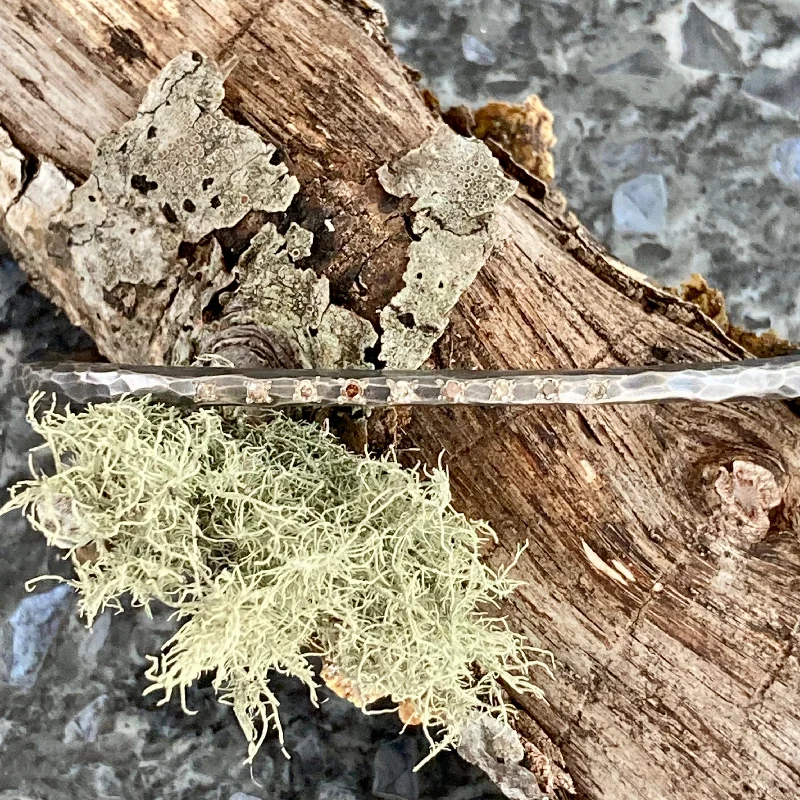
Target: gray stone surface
[34,624]
[640,205]
[703,93]
[393,770]
[707,45]
[785,162]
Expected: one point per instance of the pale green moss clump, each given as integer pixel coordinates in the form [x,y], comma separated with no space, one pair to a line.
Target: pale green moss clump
[274,543]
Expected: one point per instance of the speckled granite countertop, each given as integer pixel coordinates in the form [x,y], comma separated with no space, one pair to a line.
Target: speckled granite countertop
[679,141]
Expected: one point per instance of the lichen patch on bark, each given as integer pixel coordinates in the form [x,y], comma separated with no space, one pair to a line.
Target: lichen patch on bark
[459,186]
[11,164]
[496,748]
[293,304]
[176,173]
[139,236]
[747,493]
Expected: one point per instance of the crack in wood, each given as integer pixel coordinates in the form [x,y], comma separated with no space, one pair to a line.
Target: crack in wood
[226,48]
[772,676]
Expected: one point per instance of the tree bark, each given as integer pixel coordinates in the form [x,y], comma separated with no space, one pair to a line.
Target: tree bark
[663,564]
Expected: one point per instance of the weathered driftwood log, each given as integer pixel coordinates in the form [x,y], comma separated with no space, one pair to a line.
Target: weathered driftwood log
[663,565]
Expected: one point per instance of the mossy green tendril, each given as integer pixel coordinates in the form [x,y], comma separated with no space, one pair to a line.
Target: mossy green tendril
[273,543]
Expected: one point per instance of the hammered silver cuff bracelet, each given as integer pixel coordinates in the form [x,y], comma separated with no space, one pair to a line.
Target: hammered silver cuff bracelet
[760,379]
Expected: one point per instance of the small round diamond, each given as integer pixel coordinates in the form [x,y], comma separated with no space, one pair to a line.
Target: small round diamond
[503,390]
[258,392]
[305,391]
[205,392]
[402,391]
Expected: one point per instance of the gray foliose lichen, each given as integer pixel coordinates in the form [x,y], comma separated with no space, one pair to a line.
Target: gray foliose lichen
[496,748]
[459,186]
[294,304]
[176,173]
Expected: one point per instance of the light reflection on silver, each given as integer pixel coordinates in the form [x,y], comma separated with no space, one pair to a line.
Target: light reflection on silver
[774,378]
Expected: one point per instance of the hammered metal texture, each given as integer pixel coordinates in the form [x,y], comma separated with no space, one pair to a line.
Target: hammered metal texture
[773,379]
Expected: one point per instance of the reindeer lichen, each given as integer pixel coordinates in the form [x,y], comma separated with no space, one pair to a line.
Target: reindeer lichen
[459,186]
[274,543]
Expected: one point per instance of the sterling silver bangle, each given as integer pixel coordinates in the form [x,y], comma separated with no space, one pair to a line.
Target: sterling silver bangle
[758,379]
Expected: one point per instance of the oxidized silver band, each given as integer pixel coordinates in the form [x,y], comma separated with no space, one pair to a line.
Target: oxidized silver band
[772,378]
